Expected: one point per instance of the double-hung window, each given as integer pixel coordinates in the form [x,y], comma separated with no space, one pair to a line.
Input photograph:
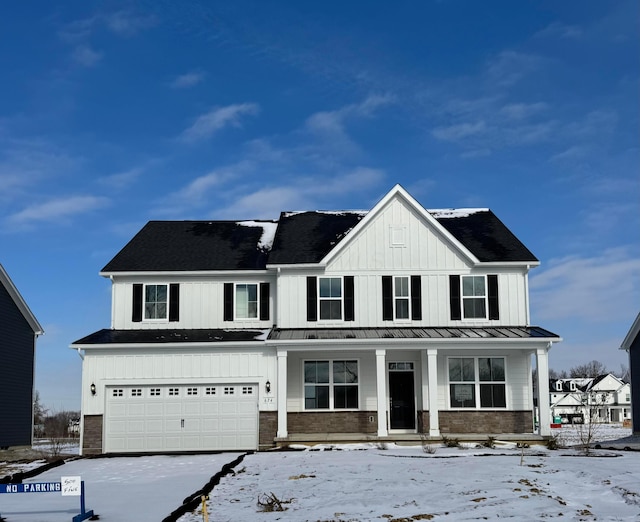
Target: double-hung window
[330,298]
[474,297]
[246,301]
[155,302]
[477,382]
[401,297]
[331,385]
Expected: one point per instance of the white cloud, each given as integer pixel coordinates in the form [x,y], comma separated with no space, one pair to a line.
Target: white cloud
[559,30]
[86,56]
[520,111]
[592,289]
[185,81]
[218,118]
[128,24]
[122,179]
[509,67]
[459,131]
[55,209]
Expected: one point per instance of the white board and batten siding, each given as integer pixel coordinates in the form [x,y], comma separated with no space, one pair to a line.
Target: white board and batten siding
[201,302]
[400,242]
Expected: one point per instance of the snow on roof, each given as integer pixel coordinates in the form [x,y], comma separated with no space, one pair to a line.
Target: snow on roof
[455,212]
[329,212]
[268,232]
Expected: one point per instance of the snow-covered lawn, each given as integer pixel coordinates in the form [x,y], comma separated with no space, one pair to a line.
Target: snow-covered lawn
[352,483]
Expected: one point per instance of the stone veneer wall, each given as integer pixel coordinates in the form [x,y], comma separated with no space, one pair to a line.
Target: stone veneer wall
[92,435]
[486,421]
[268,429]
[333,422]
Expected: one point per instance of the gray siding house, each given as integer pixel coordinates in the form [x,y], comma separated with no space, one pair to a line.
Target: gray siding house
[631,344]
[19,330]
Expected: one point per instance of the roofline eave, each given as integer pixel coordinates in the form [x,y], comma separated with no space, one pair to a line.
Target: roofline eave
[165,273]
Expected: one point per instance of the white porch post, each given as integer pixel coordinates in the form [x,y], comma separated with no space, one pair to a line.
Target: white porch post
[432,369]
[381,386]
[282,393]
[544,410]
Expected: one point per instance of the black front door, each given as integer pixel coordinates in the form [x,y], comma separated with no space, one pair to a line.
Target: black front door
[403,405]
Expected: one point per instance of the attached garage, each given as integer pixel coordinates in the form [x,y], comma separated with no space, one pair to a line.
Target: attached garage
[169,417]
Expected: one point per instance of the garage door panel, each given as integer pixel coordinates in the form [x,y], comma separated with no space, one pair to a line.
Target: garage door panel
[174,418]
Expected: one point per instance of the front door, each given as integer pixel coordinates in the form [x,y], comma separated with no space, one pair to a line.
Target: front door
[402,398]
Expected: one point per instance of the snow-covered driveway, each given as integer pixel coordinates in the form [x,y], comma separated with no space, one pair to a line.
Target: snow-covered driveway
[118,489]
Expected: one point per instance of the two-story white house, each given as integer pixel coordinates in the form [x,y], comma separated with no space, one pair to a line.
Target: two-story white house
[388,324]
[605,398]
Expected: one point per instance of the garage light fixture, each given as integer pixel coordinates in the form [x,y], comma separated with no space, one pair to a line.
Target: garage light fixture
[267,386]
[93,389]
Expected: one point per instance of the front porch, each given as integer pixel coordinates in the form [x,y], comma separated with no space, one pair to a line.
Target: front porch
[406,385]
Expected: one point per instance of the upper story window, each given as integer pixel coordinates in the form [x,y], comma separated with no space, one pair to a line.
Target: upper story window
[477,382]
[474,297]
[401,297]
[246,301]
[330,298]
[155,302]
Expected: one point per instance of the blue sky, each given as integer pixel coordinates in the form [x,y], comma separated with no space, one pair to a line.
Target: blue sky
[116,113]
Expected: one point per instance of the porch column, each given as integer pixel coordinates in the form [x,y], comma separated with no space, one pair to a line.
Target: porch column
[282,393]
[381,387]
[544,410]
[432,370]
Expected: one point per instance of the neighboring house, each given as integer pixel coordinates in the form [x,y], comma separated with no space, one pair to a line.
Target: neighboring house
[377,325]
[19,330]
[631,344]
[605,398]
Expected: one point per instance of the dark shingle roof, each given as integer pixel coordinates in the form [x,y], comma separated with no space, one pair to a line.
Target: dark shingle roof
[192,245]
[302,237]
[160,336]
[306,237]
[486,237]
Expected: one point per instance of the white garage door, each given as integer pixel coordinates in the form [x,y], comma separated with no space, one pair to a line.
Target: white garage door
[181,418]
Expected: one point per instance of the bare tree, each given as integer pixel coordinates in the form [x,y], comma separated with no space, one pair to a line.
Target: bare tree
[593,403]
[39,415]
[588,370]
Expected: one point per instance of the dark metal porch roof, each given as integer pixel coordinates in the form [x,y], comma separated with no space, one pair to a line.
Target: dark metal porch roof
[498,332]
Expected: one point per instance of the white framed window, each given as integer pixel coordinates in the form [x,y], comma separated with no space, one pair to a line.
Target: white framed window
[401,298]
[156,303]
[117,392]
[247,390]
[331,385]
[210,390]
[330,298]
[477,382]
[229,390]
[246,300]
[136,392]
[154,392]
[474,297]
[174,392]
[192,391]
